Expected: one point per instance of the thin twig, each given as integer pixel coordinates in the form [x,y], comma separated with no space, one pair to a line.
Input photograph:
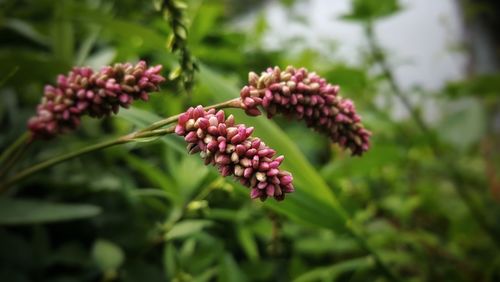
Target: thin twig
[53,161]
[24,138]
[234,103]
[379,57]
[14,158]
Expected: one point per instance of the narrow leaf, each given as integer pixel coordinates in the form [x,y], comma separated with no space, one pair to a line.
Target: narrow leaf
[186,228]
[16,212]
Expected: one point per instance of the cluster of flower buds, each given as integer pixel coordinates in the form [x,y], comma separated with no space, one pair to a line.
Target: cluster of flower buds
[231,148]
[97,94]
[305,95]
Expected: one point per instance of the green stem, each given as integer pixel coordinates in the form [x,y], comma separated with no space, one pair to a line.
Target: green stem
[53,161]
[150,131]
[13,159]
[379,57]
[23,139]
[234,103]
[9,75]
[99,146]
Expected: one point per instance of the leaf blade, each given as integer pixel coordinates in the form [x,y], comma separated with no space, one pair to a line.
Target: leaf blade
[20,212]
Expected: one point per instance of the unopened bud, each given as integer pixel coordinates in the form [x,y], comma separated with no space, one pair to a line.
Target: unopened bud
[261,176]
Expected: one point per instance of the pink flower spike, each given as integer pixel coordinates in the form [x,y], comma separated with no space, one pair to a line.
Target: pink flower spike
[304,95]
[96,94]
[233,150]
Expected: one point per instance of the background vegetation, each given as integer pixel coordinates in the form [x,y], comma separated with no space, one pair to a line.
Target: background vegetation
[422,200]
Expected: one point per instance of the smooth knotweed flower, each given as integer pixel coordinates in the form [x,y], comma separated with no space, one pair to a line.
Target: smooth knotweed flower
[305,95]
[97,94]
[231,148]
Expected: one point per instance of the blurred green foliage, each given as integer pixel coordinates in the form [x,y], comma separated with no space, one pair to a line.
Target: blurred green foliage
[365,11]
[149,212]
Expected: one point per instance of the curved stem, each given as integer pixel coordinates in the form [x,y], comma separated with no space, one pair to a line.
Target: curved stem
[53,161]
[22,139]
[99,146]
[379,57]
[150,131]
[13,159]
[234,103]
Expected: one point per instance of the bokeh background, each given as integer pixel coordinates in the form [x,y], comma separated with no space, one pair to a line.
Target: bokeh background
[425,199]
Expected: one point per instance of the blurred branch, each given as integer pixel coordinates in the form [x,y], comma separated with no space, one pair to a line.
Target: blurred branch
[174,13]
[14,159]
[14,153]
[379,57]
[455,173]
[9,75]
[14,146]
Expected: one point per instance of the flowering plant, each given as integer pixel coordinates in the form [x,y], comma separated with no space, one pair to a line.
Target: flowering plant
[219,140]
[83,92]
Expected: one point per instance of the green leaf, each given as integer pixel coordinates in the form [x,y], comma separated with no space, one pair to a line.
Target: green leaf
[330,273]
[150,192]
[184,176]
[321,245]
[206,276]
[180,4]
[353,80]
[26,29]
[224,214]
[175,73]
[203,24]
[247,241]
[158,4]
[181,32]
[229,270]
[16,211]
[107,255]
[86,46]
[63,40]
[369,10]
[170,260]
[485,85]
[101,58]
[186,228]
[155,175]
